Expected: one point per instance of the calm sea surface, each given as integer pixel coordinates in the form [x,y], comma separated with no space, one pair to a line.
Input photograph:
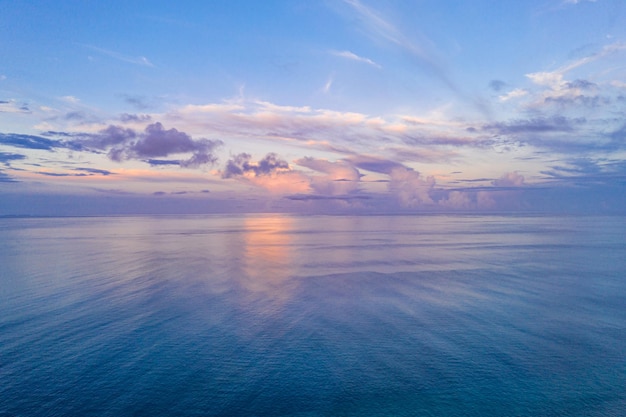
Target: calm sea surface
[272,315]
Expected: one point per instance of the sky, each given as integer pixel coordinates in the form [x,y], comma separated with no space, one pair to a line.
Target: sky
[301,106]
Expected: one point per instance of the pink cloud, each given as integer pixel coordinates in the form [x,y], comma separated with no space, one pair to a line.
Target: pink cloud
[340,177]
[410,188]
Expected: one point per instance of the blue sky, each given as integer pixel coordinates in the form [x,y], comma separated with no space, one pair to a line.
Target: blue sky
[312,106]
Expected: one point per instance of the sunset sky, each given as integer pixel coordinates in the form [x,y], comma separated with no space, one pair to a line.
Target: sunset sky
[329,106]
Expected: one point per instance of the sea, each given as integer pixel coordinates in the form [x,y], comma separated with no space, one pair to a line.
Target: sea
[281,315]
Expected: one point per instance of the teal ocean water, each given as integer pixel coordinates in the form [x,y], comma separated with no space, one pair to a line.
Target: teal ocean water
[271,315]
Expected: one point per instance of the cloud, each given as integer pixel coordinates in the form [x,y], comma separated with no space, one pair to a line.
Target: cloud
[457,200]
[94,171]
[470,199]
[270,173]
[162,162]
[618,136]
[126,144]
[139,118]
[560,134]
[70,99]
[513,94]
[589,171]
[509,179]
[555,78]
[78,172]
[426,155]
[552,91]
[328,85]
[354,57]
[422,52]
[11,106]
[138,102]
[374,164]
[557,89]
[6,157]
[410,188]
[137,60]
[339,177]
[6,177]
[111,136]
[241,165]
[385,29]
[344,133]
[75,116]
[497,85]
[30,142]
[537,125]
[382,28]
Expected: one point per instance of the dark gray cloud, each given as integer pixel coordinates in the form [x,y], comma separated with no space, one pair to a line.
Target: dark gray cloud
[95,171]
[470,180]
[75,115]
[587,170]
[579,100]
[537,125]
[6,157]
[241,164]
[30,142]
[111,136]
[581,84]
[60,174]
[78,172]
[373,164]
[497,85]
[127,117]
[445,140]
[158,193]
[155,141]
[162,162]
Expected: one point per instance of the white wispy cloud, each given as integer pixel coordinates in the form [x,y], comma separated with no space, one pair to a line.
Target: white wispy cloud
[417,46]
[385,29]
[355,57]
[554,78]
[518,92]
[70,99]
[328,85]
[137,60]
[12,106]
[560,87]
